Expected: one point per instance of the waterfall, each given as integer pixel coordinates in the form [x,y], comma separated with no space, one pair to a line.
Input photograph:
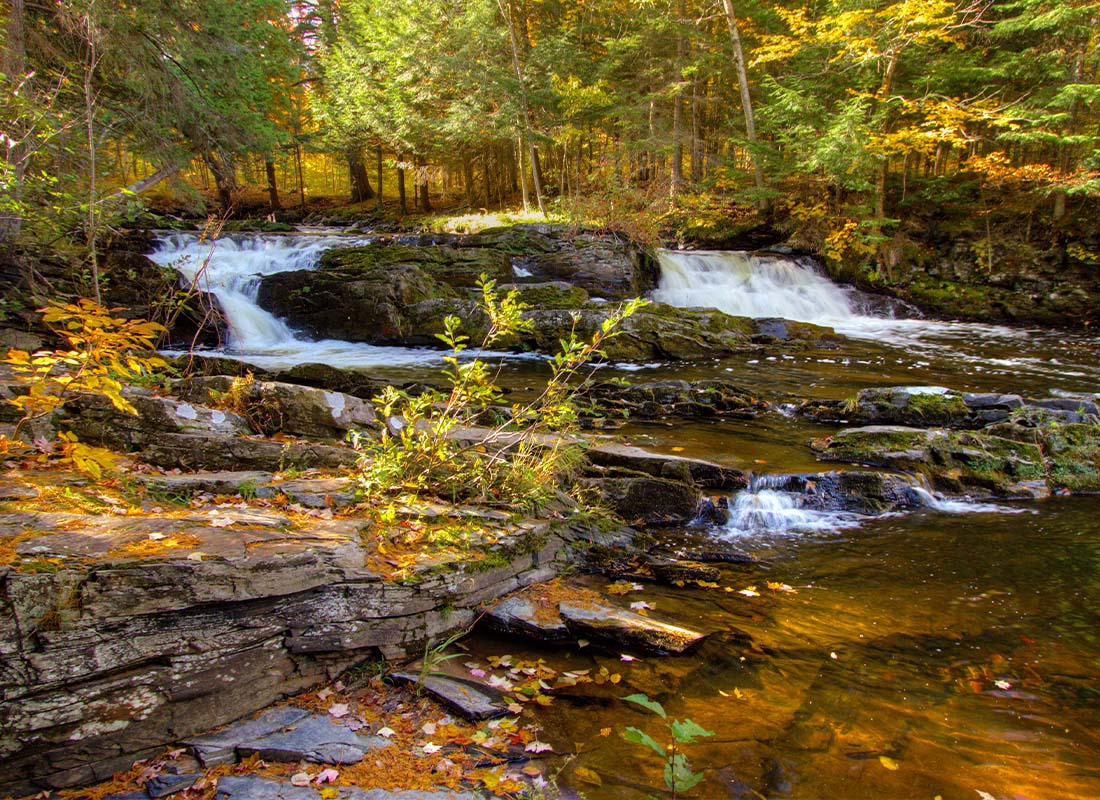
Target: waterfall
[749,285]
[231,268]
[769,507]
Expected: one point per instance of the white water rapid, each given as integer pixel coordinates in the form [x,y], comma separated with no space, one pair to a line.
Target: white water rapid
[764,509]
[772,285]
[231,269]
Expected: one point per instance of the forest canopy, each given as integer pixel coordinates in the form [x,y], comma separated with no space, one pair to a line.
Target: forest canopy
[851,109]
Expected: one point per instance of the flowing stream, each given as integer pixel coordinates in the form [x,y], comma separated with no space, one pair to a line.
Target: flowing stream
[952,652]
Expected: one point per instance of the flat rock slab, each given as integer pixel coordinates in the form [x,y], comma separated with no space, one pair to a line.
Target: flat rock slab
[522,615]
[247,787]
[319,739]
[221,747]
[226,482]
[621,628]
[313,492]
[472,700]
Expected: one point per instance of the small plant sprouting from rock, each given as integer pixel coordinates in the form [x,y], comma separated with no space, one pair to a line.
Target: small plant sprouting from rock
[520,461]
[678,775]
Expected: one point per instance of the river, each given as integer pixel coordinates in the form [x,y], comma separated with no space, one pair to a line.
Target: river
[948,653]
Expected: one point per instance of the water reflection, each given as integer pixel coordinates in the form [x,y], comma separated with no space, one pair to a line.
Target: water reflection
[922,655]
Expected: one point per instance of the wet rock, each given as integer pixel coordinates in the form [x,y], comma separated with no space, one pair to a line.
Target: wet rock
[336,303]
[604,264]
[11,490]
[472,700]
[649,501]
[136,283]
[677,571]
[957,462]
[220,748]
[524,615]
[704,474]
[674,399]
[1071,452]
[912,406]
[618,628]
[321,740]
[166,783]
[853,491]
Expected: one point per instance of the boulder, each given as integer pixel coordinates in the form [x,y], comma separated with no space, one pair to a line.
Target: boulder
[95,420]
[221,748]
[274,407]
[215,452]
[349,304]
[649,501]
[956,462]
[146,290]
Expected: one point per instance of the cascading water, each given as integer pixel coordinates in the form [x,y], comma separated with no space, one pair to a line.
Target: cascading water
[772,285]
[766,507]
[231,269]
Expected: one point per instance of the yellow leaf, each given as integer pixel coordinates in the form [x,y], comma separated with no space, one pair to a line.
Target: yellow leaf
[888,762]
[586,775]
[328,793]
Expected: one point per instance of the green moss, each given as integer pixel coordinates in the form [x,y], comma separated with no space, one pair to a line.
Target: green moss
[938,406]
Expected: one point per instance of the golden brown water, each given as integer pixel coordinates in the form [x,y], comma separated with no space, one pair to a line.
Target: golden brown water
[922,656]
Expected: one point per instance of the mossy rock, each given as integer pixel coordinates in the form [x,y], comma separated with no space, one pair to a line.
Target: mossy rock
[953,461]
[1072,452]
[456,266]
[550,294]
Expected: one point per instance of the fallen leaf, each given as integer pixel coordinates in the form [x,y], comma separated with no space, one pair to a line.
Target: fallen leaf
[324,694]
[300,779]
[222,522]
[538,747]
[338,710]
[386,733]
[625,657]
[586,775]
[478,673]
[430,748]
[328,793]
[641,605]
[749,591]
[605,731]
[531,770]
[583,643]
[781,587]
[888,762]
[1002,684]
[327,775]
[429,728]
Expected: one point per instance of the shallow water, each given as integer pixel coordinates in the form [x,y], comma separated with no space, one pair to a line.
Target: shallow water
[962,650]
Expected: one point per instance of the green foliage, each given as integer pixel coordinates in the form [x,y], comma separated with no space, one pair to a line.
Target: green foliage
[678,775]
[520,462]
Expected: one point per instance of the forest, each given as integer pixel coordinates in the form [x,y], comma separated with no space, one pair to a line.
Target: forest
[840,122]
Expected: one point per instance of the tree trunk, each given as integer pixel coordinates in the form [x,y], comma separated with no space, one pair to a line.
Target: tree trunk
[301,176]
[225,179]
[378,176]
[522,175]
[468,180]
[402,203]
[525,108]
[746,98]
[677,183]
[361,190]
[422,185]
[272,187]
[13,63]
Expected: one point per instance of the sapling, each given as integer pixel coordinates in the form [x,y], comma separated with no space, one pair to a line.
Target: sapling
[678,775]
